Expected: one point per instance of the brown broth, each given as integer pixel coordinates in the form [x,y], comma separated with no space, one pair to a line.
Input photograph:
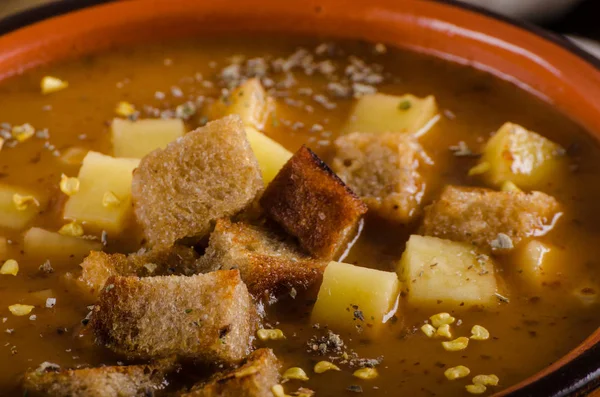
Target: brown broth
[527,334]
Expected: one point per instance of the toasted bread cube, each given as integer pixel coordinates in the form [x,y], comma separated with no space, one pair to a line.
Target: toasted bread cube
[538,265]
[131,380]
[135,139]
[478,216]
[355,298]
[310,202]
[179,192]
[12,217]
[268,261]
[378,113]
[207,317]
[523,157]
[99,175]
[253,378]
[99,266]
[249,101]
[47,245]
[383,170]
[271,155]
[445,273]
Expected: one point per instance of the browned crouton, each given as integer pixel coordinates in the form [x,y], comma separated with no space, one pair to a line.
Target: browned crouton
[132,380]
[254,378]
[267,260]
[208,317]
[179,192]
[99,266]
[383,170]
[478,216]
[310,202]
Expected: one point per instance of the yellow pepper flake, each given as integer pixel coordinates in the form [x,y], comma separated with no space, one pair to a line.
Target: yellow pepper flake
[480,168]
[456,344]
[69,185]
[110,200]
[125,109]
[443,331]
[277,391]
[479,333]
[457,372]
[295,373]
[270,334]
[428,330]
[50,84]
[20,310]
[72,229]
[11,266]
[23,132]
[509,186]
[324,366]
[476,389]
[486,380]
[366,373]
[246,372]
[23,202]
[440,319]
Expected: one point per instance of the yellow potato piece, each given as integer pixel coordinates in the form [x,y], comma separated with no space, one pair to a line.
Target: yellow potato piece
[249,101]
[100,174]
[271,155]
[12,217]
[355,298]
[538,264]
[135,139]
[59,249]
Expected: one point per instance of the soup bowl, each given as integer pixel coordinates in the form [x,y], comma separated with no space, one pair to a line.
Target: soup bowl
[540,63]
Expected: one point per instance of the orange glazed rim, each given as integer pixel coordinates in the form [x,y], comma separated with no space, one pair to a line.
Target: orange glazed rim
[544,64]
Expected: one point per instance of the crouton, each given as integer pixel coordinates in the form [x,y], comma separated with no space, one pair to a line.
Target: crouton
[180,191]
[479,216]
[254,378]
[311,203]
[99,266]
[267,260]
[383,170]
[131,380]
[207,317]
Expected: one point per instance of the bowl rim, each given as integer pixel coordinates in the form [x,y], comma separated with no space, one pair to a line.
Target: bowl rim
[562,378]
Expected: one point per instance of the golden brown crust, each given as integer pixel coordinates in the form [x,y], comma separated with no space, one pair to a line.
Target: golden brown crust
[268,261]
[477,215]
[207,317]
[311,203]
[254,378]
[383,170]
[179,192]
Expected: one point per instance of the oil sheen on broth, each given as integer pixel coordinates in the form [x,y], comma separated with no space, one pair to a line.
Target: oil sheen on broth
[530,331]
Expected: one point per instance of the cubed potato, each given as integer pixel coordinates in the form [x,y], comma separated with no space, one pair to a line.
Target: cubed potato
[59,249]
[12,217]
[135,139]
[537,264]
[99,176]
[389,113]
[249,101]
[523,157]
[355,298]
[40,298]
[271,155]
[445,273]
[73,155]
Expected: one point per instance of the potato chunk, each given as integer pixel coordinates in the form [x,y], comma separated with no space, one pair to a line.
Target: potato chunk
[249,101]
[537,264]
[43,244]
[353,297]
[135,139]
[444,273]
[271,155]
[389,113]
[101,175]
[523,157]
[12,217]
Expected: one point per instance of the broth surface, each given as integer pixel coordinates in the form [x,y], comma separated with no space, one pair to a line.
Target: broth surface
[528,333]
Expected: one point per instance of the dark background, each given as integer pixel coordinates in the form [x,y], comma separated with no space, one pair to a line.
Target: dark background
[583,20]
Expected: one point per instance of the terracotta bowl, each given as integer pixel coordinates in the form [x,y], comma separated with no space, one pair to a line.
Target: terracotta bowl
[545,65]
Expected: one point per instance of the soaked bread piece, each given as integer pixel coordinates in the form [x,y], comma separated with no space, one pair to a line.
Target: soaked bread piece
[207,317]
[254,378]
[478,216]
[383,169]
[311,203]
[113,381]
[180,191]
[268,260]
